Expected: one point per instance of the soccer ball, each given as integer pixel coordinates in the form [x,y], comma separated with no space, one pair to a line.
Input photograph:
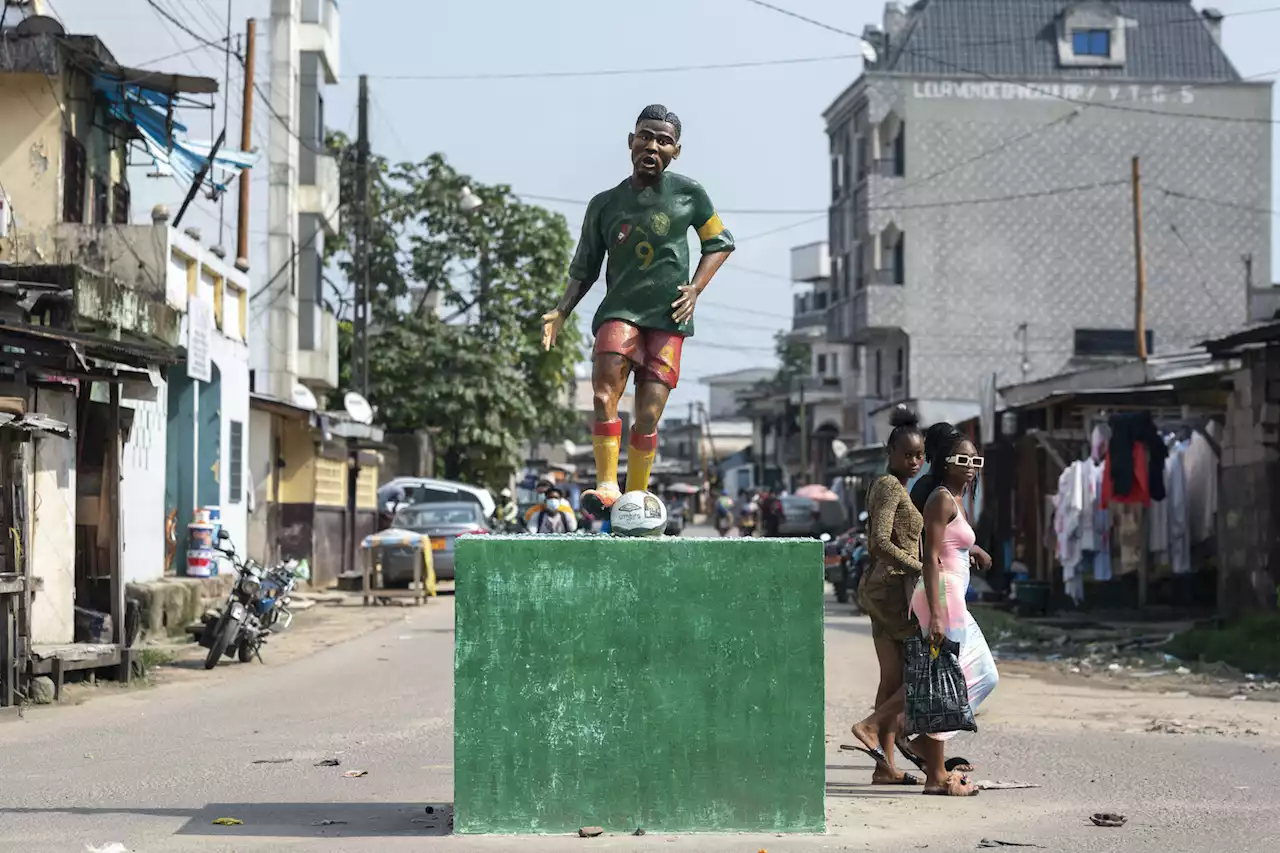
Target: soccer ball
[638,514]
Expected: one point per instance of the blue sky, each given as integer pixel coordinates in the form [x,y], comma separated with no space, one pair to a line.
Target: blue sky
[753,136]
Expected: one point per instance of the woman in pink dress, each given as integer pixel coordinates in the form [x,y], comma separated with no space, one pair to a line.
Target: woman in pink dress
[938,603]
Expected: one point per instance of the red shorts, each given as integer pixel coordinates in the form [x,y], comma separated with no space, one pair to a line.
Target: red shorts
[655,353]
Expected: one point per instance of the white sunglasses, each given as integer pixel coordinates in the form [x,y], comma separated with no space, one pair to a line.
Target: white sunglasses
[964,461]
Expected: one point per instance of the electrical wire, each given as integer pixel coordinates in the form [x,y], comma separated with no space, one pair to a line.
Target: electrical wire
[615,72]
[177,22]
[1266,211]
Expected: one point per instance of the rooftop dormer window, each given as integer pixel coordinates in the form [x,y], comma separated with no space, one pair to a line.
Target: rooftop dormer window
[1091,43]
[1091,34]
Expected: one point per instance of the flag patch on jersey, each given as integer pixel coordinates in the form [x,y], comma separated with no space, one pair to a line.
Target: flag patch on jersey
[624,231]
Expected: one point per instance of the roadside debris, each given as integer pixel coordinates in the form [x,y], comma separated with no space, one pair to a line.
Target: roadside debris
[227,821]
[328,762]
[113,847]
[273,761]
[639,831]
[330,823]
[1108,819]
[590,831]
[995,842]
[988,785]
[355,774]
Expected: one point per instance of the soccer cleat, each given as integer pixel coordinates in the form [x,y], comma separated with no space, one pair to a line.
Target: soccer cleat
[600,500]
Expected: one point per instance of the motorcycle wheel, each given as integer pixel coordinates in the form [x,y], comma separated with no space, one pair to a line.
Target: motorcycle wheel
[226,630]
[245,652]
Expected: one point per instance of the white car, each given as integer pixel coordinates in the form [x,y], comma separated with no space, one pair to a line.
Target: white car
[412,491]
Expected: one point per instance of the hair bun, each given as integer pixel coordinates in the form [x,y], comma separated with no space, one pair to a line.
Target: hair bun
[902,416]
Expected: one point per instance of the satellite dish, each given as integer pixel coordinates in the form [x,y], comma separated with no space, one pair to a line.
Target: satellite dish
[40,25]
[839,448]
[570,448]
[358,408]
[869,54]
[303,398]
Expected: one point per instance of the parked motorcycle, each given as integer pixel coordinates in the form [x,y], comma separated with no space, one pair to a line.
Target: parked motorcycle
[854,557]
[239,615]
[256,607]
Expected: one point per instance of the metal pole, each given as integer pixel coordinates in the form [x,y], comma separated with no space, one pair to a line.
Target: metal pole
[246,140]
[360,343]
[804,435]
[1140,268]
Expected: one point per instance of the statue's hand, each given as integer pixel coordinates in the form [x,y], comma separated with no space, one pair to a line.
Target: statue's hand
[683,307]
[552,323]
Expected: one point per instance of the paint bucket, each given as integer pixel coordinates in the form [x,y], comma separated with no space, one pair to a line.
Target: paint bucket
[213,514]
[202,563]
[202,537]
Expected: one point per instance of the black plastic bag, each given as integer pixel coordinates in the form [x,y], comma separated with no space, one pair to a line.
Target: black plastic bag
[937,694]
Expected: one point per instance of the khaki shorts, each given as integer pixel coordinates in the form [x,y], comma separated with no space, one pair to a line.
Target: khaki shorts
[885,596]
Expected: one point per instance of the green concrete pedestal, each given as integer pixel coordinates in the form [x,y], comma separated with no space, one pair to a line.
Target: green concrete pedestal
[670,684]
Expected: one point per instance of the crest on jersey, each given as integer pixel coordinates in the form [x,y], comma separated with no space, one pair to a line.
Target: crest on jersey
[660,222]
[624,231]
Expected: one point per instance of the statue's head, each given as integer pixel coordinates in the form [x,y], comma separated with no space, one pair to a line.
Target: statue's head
[655,142]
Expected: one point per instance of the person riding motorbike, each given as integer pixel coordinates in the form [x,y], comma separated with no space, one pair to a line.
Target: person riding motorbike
[507,514]
[747,518]
[553,515]
[724,514]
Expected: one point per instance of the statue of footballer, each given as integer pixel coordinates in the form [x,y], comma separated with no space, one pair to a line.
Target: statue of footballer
[641,227]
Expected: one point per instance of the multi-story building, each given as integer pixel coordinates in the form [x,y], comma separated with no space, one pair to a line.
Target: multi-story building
[132,432]
[981,217]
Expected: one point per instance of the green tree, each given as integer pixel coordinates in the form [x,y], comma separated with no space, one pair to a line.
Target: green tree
[474,368]
[794,359]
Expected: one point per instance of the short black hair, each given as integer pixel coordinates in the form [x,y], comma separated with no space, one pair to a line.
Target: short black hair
[557,492]
[657,112]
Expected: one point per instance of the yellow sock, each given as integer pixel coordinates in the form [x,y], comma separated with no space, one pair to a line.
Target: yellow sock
[641,452]
[606,440]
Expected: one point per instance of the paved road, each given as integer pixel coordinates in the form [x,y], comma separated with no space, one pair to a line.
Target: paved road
[154,768]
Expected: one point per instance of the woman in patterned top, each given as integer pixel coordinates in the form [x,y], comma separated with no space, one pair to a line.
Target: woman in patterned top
[893,538]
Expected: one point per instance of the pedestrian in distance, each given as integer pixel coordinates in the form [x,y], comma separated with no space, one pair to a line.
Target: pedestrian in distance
[553,515]
[894,525]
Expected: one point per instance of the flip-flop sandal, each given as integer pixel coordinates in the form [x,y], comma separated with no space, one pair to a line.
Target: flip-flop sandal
[950,765]
[877,755]
[907,780]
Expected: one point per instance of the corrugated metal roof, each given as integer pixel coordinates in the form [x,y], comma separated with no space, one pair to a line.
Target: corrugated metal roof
[1018,38]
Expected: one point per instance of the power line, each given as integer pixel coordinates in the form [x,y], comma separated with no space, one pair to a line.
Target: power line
[615,72]
[732,210]
[1218,201]
[974,72]
[173,19]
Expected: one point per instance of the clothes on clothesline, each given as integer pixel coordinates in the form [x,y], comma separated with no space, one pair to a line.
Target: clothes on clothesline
[1135,449]
[1081,526]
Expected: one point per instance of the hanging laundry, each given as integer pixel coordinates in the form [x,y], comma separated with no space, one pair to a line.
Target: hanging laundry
[1200,468]
[1133,548]
[1101,543]
[1135,459]
[1179,540]
[1098,442]
[1068,518]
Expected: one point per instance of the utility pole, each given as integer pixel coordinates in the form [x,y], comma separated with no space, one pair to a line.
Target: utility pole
[360,342]
[1140,268]
[804,435]
[246,141]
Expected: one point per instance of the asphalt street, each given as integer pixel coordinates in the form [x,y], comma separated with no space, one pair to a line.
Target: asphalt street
[152,769]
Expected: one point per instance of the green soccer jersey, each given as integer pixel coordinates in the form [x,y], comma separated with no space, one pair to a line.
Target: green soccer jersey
[644,235]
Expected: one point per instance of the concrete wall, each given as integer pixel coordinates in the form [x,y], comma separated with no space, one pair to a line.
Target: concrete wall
[142,504]
[31,149]
[1063,260]
[1248,494]
[53,524]
[260,473]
